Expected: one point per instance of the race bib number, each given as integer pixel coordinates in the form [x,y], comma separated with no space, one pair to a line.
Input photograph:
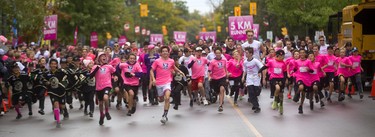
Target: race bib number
[277,70]
[355,64]
[315,71]
[330,63]
[303,69]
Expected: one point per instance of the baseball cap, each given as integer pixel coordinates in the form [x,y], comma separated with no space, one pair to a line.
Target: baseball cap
[151,46]
[280,52]
[198,48]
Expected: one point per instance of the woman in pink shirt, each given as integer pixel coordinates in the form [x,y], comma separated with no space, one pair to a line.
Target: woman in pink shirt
[163,68]
[356,71]
[330,69]
[302,68]
[276,69]
[315,78]
[235,69]
[131,71]
[103,74]
[218,75]
[291,79]
[344,64]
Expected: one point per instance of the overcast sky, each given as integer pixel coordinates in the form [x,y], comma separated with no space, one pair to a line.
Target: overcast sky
[200,5]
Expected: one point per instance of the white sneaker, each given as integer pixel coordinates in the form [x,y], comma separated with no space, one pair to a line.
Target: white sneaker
[58,125]
[205,102]
[1,113]
[164,119]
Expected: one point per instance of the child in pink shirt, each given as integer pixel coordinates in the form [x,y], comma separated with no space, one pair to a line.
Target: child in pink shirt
[315,77]
[302,69]
[329,69]
[291,79]
[103,74]
[218,75]
[344,65]
[163,68]
[276,69]
[235,69]
[356,71]
[198,66]
[131,71]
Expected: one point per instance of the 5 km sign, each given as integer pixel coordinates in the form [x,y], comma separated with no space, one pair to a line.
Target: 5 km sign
[238,26]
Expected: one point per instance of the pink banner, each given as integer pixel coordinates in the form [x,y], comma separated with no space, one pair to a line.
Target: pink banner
[180,37]
[94,40]
[256,30]
[208,35]
[122,40]
[155,38]
[238,26]
[50,27]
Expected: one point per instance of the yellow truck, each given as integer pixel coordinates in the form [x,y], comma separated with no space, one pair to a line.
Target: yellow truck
[356,24]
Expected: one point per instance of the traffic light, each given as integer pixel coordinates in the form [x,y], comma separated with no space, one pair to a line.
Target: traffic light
[284,31]
[237,11]
[218,28]
[109,36]
[204,29]
[253,8]
[164,29]
[144,10]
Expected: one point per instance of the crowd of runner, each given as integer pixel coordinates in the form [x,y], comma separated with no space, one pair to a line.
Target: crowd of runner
[205,72]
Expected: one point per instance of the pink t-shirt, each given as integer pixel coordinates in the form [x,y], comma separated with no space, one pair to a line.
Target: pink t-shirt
[330,62]
[276,69]
[290,62]
[103,76]
[341,69]
[163,70]
[302,73]
[141,61]
[198,68]
[322,59]
[235,68]
[135,68]
[356,60]
[217,68]
[315,76]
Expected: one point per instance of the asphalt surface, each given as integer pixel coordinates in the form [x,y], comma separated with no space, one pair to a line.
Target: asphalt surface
[350,118]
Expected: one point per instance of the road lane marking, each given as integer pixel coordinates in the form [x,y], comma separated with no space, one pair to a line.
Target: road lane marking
[245,119]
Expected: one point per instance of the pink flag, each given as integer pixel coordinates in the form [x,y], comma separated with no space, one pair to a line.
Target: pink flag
[180,37]
[155,38]
[94,40]
[122,40]
[238,26]
[75,36]
[208,35]
[256,30]
[50,27]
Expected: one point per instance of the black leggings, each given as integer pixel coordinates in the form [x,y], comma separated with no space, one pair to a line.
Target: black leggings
[145,80]
[236,86]
[40,92]
[176,93]
[89,99]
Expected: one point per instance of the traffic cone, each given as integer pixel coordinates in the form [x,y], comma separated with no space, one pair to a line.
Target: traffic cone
[5,103]
[9,100]
[372,95]
[353,91]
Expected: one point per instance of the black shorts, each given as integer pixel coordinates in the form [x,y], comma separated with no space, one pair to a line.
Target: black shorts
[217,83]
[129,87]
[330,77]
[280,82]
[100,94]
[54,98]
[305,87]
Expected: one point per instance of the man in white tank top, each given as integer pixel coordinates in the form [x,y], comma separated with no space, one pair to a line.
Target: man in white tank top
[323,46]
[256,45]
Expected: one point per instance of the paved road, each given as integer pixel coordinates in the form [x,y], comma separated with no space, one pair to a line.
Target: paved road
[351,118]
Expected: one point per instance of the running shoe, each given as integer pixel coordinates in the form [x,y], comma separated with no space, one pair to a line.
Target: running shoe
[66,115]
[289,96]
[274,105]
[90,114]
[300,110]
[205,102]
[322,104]
[360,96]
[85,112]
[311,105]
[144,99]
[133,110]
[349,95]
[235,103]
[175,107]
[108,116]
[257,110]
[296,97]
[164,119]
[341,97]
[191,103]
[220,109]
[101,120]
[19,116]
[41,112]
[30,113]
[129,113]
[1,113]
[58,125]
